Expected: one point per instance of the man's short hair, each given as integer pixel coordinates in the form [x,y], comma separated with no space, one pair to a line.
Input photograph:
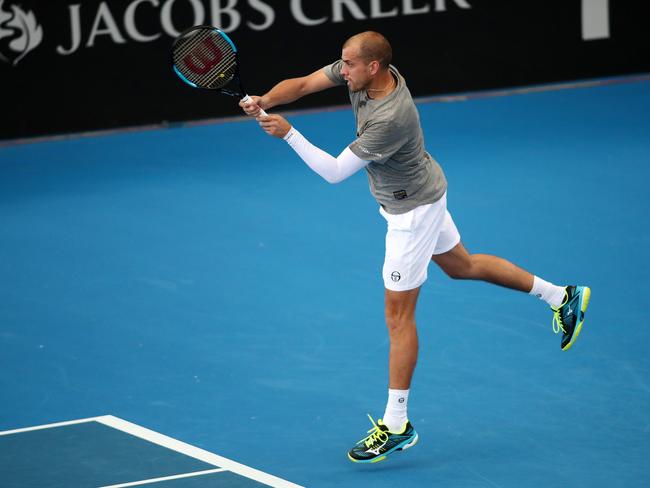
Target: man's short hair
[372,47]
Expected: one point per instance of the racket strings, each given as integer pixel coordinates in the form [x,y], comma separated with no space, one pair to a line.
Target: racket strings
[222,73]
[197,48]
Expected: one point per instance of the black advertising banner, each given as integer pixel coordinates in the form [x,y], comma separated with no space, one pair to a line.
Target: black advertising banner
[71,65]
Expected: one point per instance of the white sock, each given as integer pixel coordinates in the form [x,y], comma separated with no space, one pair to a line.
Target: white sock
[396,416]
[550,293]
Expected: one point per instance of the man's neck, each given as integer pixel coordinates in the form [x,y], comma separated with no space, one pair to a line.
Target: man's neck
[382,86]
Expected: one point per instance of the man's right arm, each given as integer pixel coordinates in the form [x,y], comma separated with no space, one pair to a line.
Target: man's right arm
[290,90]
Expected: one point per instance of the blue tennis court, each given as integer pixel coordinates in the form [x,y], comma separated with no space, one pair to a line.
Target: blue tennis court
[201,285]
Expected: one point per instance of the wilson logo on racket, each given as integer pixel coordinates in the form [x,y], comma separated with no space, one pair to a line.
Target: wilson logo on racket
[207,54]
[19,34]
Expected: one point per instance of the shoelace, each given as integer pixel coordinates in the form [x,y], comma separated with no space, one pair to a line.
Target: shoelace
[376,434]
[558,325]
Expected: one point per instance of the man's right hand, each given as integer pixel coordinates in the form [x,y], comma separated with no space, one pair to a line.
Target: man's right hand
[252,106]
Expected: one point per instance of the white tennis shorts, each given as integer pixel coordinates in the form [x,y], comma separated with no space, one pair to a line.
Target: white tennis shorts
[412,238]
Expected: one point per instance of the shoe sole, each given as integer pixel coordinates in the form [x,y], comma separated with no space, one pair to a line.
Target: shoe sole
[384,456]
[410,444]
[586,295]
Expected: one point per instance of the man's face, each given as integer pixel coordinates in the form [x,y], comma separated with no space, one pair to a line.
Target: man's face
[355,71]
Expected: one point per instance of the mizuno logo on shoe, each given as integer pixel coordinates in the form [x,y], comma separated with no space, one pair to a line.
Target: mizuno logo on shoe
[376,450]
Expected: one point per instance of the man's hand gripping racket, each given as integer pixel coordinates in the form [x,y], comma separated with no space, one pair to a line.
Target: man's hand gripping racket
[205,57]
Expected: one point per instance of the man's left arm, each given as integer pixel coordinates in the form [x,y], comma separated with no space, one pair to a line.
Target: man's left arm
[333,170]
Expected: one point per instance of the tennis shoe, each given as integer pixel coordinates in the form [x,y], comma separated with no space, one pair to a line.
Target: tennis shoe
[381,442]
[569,316]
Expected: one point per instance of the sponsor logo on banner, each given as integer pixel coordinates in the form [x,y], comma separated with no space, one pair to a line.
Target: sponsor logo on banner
[21,33]
[595,19]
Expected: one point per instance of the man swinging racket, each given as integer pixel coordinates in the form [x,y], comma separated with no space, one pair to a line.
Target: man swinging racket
[411,190]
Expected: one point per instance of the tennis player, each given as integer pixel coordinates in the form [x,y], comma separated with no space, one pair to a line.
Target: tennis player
[411,190]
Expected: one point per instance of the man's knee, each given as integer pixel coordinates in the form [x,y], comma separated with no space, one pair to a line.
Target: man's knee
[457,273]
[457,263]
[460,270]
[397,320]
[400,310]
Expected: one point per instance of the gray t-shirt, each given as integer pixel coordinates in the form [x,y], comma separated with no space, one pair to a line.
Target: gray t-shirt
[401,173]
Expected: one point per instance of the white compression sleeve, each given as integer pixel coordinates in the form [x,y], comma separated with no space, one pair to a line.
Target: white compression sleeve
[332,169]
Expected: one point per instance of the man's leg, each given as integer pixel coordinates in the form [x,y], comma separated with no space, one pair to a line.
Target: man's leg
[394,432]
[459,264]
[400,320]
[569,303]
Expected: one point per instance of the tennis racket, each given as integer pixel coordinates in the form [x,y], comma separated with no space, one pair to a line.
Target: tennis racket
[205,57]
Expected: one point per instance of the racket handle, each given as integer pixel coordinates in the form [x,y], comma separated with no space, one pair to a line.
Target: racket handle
[249,99]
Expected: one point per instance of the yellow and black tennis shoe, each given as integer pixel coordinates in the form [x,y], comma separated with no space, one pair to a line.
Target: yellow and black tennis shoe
[381,442]
[570,316]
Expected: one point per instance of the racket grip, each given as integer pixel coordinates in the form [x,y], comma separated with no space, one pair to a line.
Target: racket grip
[249,99]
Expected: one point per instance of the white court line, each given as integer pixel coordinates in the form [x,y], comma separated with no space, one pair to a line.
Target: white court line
[174,445]
[50,426]
[166,478]
[195,452]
